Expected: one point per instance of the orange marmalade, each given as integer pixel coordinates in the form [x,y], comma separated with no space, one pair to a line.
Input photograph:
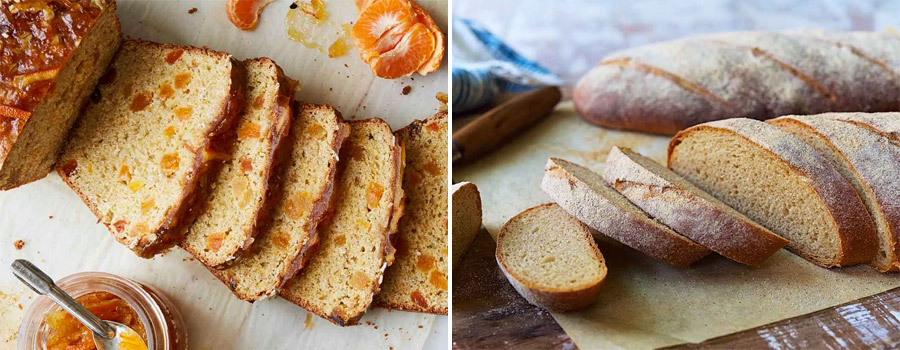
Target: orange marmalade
[64,332]
[37,37]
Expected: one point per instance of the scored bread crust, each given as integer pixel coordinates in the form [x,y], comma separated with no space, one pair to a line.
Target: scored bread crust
[633,227]
[207,160]
[319,211]
[278,152]
[690,211]
[855,229]
[873,160]
[567,299]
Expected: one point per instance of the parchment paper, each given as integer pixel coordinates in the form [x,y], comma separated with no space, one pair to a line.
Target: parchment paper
[62,237]
[644,303]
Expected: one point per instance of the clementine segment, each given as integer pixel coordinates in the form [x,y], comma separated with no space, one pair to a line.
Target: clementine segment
[397,38]
[245,13]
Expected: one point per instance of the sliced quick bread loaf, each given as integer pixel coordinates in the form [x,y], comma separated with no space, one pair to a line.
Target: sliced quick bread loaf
[142,151]
[417,280]
[870,163]
[304,187]
[585,195]
[354,246]
[53,54]
[228,222]
[551,259]
[688,210]
[466,218]
[780,182]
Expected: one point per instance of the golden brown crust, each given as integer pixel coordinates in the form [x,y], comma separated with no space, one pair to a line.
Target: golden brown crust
[856,231]
[568,299]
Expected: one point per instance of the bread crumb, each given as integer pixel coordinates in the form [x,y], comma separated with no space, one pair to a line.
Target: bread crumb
[19,244]
[406,89]
[420,326]
[192,10]
[51,217]
[309,322]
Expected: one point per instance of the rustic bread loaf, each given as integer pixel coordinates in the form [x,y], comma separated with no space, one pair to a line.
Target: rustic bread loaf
[48,79]
[585,195]
[227,223]
[417,280]
[466,218]
[668,86]
[780,182]
[142,151]
[303,188]
[870,163]
[551,259]
[354,247]
[690,211]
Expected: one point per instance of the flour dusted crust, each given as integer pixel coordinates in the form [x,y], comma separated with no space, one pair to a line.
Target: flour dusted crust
[200,155]
[668,86]
[855,231]
[586,196]
[871,162]
[688,210]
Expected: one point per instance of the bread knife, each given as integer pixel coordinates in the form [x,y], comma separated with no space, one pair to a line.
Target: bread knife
[498,125]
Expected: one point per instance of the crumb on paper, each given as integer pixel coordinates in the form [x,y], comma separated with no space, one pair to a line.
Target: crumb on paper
[406,89]
[420,326]
[19,244]
[309,322]
[442,98]
[51,217]
[192,10]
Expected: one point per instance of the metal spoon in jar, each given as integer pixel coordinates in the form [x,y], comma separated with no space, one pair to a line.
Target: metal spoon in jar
[108,335]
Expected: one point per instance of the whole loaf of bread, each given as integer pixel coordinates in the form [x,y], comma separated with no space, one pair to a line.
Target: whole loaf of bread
[665,87]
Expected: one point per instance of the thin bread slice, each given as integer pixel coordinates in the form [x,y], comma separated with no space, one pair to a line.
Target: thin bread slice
[228,222]
[466,218]
[417,280]
[354,247]
[585,195]
[870,163]
[142,152]
[551,259]
[885,123]
[782,183]
[688,210]
[304,189]
[51,66]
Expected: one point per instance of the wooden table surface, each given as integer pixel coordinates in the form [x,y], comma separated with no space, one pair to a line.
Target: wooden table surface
[489,314]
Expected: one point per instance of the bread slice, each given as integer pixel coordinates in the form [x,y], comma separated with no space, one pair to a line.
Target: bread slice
[304,187]
[354,247]
[40,102]
[688,210]
[780,182]
[142,151]
[417,280]
[870,163]
[227,224]
[466,218]
[585,195]
[551,259]
[886,123]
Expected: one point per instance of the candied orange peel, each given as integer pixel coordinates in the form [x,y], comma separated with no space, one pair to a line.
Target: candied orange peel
[397,38]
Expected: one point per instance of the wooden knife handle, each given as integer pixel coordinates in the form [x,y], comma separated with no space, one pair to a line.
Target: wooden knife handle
[505,121]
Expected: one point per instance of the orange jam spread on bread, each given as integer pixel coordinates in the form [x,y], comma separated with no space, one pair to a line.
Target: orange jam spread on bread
[64,332]
[37,37]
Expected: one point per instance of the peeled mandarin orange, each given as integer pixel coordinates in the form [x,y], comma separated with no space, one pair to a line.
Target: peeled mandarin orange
[245,13]
[397,38]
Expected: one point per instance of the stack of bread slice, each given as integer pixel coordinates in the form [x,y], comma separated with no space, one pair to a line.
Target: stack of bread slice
[188,146]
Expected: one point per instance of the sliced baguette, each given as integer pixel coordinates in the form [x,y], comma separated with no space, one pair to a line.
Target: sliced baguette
[551,259]
[466,218]
[354,248]
[238,202]
[417,280]
[870,163]
[585,195]
[688,210]
[142,152]
[780,182]
[305,187]
[887,123]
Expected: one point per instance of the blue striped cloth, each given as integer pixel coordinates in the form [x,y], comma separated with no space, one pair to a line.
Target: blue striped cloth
[483,67]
